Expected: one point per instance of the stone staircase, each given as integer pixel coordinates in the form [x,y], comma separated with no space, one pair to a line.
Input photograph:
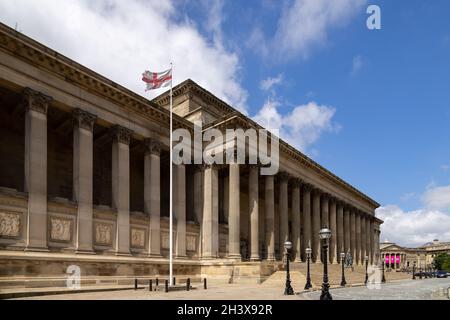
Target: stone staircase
[353,277]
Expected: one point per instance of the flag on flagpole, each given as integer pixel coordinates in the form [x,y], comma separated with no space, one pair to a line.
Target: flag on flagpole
[156,80]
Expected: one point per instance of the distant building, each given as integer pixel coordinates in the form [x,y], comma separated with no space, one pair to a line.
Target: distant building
[398,257]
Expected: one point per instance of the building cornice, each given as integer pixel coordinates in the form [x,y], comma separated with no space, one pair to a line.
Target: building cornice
[238,120]
[44,58]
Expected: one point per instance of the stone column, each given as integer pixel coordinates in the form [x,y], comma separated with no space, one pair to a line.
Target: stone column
[334,233]
[324,210]
[306,208]
[352,235]
[283,209]
[234,237]
[368,242]
[270,217]
[82,177]
[316,253]
[198,202]
[121,186]
[180,209]
[359,257]
[36,105]
[341,230]
[210,225]
[296,241]
[253,197]
[152,194]
[363,237]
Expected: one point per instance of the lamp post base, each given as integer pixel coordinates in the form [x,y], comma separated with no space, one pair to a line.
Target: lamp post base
[325,295]
[288,291]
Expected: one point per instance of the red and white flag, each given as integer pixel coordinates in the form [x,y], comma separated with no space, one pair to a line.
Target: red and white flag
[157,80]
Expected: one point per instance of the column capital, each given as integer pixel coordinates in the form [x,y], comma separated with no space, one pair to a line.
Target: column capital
[283,176]
[295,182]
[35,100]
[306,187]
[333,200]
[326,196]
[152,146]
[121,134]
[84,119]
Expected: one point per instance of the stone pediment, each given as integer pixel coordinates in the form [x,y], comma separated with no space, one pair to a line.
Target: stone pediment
[393,247]
[195,103]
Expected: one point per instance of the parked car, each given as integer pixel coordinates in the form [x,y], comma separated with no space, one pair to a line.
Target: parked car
[441,274]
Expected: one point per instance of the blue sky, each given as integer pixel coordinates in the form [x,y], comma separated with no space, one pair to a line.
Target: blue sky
[376,102]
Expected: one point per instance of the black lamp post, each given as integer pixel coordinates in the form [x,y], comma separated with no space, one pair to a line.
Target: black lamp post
[343,282]
[366,280]
[325,235]
[308,284]
[383,278]
[288,291]
[414,271]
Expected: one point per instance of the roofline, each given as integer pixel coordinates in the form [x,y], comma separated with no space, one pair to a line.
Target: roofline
[24,47]
[233,114]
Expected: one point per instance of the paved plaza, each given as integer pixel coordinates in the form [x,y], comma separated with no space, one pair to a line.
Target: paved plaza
[402,290]
[425,289]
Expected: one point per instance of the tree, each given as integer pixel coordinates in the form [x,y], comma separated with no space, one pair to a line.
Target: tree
[442,262]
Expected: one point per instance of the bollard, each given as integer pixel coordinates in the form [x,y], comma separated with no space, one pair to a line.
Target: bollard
[150,285]
[166,286]
[188,284]
[205,285]
[174,281]
[157,282]
[135,284]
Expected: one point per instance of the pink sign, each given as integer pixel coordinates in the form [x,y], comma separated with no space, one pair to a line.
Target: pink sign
[397,260]
[387,259]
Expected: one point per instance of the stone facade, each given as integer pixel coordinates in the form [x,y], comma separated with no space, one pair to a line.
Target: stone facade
[84,171]
[397,257]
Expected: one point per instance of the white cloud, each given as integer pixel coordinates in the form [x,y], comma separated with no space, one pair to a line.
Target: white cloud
[413,228]
[357,64]
[121,39]
[445,167]
[302,126]
[437,198]
[407,196]
[305,24]
[270,82]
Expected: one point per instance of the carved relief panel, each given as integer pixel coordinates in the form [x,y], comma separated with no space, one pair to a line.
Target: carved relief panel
[10,223]
[137,238]
[191,243]
[103,234]
[60,229]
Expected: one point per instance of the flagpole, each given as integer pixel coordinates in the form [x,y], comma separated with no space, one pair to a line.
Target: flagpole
[171,190]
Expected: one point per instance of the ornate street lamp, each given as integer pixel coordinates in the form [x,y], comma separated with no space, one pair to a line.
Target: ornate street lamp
[414,271]
[343,282]
[308,284]
[366,259]
[383,278]
[288,289]
[325,235]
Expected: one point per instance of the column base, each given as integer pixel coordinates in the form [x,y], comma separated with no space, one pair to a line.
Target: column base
[37,249]
[181,256]
[236,257]
[123,254]
[154,255]
[255,259]
[85,251]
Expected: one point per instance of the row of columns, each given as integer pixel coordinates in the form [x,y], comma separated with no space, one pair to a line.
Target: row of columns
[36,105]
[311,208]
[353,231]
[390,260]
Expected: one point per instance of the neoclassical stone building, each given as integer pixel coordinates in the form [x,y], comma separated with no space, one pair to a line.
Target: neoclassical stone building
[84,170]
[395,256]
